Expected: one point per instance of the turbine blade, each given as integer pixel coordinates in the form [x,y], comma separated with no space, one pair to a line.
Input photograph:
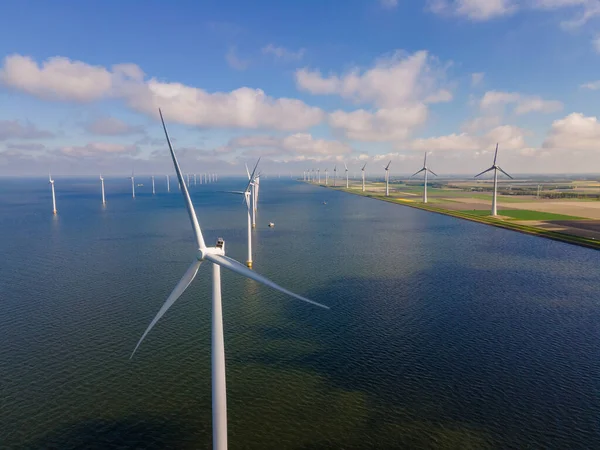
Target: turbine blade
[496,154]
[247,171]
[346,167]
[251,178]
[364,166]
[500,169]
[417,173]
[184,191]
[485,171]
[179,289]
[425,160]
[388,166]
[234,266]
[432,172]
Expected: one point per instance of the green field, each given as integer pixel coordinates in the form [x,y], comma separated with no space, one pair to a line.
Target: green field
[524,214]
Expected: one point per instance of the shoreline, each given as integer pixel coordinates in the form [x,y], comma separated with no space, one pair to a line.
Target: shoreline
[486,220]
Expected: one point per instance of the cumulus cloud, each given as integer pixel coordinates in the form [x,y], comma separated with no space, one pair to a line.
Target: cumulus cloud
[509,137]
[62,79]
[477,10]
[234,61]
[385,124]
[98,149]
[111,126]
[283,53]
[481,123]
[574,132]
[394,81]
[13,129]
[477,78]
[523,104]
[295,147]
[388,4]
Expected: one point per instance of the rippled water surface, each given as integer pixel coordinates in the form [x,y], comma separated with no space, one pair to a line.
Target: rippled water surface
[442,334]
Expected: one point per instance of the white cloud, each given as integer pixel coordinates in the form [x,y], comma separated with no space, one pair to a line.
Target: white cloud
[477,10]
[283,53]
[594,85]
[234,61]
[523,104]
[477,78]
[481,124]
[61,79]
[441,96]
[587,10]
[13,129]
[509,137]
[391,124]
[98,149]
[388,4]
[393,81]
[295,147]
[57,79]
[574,132]
[111,126]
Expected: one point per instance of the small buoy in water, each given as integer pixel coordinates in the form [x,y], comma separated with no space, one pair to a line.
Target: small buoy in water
[324,203]
[271,224]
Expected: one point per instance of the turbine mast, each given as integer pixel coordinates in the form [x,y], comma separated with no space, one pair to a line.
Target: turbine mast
[219,391]
[102,184]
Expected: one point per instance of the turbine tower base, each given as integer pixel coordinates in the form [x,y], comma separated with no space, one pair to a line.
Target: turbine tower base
[249,264]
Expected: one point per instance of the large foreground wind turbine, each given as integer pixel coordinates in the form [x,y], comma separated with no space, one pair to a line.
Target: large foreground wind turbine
[51,181]
[363,177]
[426,170]
[387,179]
[495,168]
[215,255]
[102,183]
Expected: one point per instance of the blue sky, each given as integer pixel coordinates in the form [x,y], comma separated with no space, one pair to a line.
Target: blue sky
[362,80]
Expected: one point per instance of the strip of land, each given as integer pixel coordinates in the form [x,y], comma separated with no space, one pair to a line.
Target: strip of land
[574,221]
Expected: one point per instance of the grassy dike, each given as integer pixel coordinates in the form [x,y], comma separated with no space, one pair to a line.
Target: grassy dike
[488,220]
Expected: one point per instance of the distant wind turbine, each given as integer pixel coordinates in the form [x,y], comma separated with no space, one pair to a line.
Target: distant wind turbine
[387,179]
[319,175]
[153,190]
[363,177]
[426,170]
[102,184]
[334,175]
[326,178]
[168,184]
[51,181]
[132,184]
[346,167]
[215,255]
[495,168]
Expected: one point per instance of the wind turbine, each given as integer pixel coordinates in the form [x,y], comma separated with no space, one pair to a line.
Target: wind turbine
[387,179]
[51,181]
[168,184]
[346,167]
[248,201]
[132,184]
[319,175]
[334,175]
[426,170]
[153,190]
[326,178]
[363,177]
[495,168]
[215,255]
[102,183]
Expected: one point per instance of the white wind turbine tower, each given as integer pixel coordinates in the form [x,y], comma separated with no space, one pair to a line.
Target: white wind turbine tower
[153,190]
[334,175]
[102,184]
[51,181]
[132,184]
[495,168]
[215,255]
[387,179]
[363,177]
[426,170]
[168,184]
[346,167]
[319,175]
[326,178]
[248,201]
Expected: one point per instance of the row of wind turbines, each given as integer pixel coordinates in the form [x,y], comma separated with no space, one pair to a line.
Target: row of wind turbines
[309,175]
[216,256]
[192,179]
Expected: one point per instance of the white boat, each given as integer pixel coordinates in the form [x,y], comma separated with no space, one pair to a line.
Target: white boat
[271,224]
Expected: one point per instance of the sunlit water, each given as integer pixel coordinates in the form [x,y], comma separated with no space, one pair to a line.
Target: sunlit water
[442,334]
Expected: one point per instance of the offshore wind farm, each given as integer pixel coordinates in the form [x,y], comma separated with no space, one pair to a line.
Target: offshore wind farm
[300,226]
